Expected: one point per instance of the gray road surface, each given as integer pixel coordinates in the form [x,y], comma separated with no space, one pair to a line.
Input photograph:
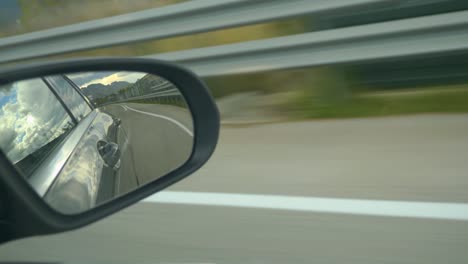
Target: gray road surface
[418,158]
[154,233]
[395,158]
[156,138]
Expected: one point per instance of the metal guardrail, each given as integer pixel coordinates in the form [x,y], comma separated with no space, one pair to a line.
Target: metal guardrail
[426,35]
[174,20]
[407,37]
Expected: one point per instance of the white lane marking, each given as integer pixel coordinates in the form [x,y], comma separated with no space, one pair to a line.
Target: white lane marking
[125,109]
[163,117]
[432,210]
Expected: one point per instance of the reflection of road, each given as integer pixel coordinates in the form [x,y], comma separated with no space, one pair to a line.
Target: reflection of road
[160,138]
[398,158]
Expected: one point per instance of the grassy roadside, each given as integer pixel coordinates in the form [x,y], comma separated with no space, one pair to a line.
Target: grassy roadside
[453,99]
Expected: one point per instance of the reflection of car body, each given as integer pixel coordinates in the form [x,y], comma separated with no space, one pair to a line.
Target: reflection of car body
[79,168]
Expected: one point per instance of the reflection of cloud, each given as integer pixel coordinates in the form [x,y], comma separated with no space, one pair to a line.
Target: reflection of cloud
[86,77]
[130,77]
[5,90]
[7,137]
[30,119]
[125,73]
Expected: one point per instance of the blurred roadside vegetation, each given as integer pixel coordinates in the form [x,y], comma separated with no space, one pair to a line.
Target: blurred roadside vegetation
[320,92]
[38,15]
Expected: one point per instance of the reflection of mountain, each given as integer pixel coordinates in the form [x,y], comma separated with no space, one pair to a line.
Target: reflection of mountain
[98,90]
[101,94]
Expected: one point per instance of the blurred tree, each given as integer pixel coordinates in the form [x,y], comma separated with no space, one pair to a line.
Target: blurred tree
[43,14]
[318,86]
[10,14]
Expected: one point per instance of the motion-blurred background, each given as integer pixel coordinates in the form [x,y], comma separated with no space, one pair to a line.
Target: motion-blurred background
[378,88]
[382,129]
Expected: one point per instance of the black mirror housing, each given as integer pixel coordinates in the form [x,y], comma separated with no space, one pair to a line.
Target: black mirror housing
[24,213]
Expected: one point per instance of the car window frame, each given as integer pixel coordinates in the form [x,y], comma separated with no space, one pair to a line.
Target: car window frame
[78,90]
[57,96]
[85,99]
[65,135]
[43,176]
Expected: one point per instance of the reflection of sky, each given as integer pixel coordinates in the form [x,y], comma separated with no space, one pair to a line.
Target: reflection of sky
[86,78]
[30,117]
[7,93]
[5,99]
[72,99]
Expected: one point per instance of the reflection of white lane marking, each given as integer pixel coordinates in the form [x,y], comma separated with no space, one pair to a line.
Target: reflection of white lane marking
[452,211]
[163,117]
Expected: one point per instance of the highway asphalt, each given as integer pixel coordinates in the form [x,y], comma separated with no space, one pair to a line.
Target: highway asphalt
[160,139]
[405,159]
[158,233]
[416,158]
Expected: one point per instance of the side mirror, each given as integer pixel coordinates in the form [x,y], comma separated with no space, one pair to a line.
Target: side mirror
[82,139]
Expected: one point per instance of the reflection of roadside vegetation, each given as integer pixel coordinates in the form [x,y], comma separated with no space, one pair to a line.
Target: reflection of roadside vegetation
[101,94]
[174,100]
[180,102]
[44,14]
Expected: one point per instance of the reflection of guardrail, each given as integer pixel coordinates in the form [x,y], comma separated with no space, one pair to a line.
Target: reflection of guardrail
[423,34]
[172,92]
[172,96]
[162,86]
[134,90]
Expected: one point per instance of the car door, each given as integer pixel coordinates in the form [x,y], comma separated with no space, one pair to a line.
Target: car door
[33,132]
[91,173]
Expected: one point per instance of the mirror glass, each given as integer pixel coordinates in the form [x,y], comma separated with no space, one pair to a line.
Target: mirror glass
[83,138]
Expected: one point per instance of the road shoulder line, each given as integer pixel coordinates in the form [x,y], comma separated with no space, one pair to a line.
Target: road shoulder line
[431,210]
[163,117]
